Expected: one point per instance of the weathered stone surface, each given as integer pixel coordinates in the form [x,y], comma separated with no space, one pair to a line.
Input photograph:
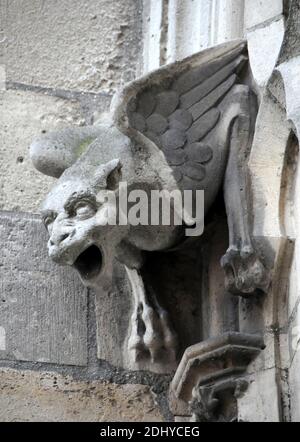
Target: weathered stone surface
[48,397]
[259,404]
[85,46]
[290,47]
[264,45]
[293,312]
[209,369]
[167,102]
[290,353]
[146,104]
[113,311]
[228,17]
[289,71]
[138,121]
[183,14]
[196,25]
[293,335]
[180,119]
[204,125]
[173,139]
[260,11]
[157,124]
[24,115]
[267,167]
[175,157]
[70,144]
[194,171]
[198,93]
[43,308]
[198,109]
[200,153]
[153,31]
[294,382]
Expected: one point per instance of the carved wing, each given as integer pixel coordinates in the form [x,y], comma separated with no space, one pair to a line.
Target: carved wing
[178,105]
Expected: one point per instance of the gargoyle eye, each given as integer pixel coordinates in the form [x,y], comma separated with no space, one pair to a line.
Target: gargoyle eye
[49,219]
[84,209]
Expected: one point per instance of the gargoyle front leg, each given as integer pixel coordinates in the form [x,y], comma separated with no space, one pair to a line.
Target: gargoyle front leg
[151,334]
[245,273]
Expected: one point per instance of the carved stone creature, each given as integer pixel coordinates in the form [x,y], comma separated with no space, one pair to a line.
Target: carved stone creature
[188,125]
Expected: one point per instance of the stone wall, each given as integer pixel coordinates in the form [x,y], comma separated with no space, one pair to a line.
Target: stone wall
[62,61]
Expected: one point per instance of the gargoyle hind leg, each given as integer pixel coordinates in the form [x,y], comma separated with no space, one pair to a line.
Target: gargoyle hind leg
[244,271]
[151,335]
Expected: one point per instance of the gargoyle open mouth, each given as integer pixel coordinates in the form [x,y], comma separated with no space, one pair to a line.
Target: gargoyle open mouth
[89,263]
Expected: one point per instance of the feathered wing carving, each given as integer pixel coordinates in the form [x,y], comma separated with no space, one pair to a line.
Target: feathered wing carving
[175,107]
[178,105]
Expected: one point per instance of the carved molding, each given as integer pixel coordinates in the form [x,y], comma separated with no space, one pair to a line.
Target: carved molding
[209,377]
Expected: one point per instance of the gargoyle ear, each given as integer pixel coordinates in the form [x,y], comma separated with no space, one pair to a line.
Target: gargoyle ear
[108,175]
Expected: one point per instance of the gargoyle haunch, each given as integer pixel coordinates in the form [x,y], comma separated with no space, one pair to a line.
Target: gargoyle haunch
[187,125]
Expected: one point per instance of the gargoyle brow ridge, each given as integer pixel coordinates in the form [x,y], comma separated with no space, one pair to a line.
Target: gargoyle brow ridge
[88,195]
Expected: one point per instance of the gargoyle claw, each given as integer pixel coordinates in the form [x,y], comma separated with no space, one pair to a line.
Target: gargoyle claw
[151,335]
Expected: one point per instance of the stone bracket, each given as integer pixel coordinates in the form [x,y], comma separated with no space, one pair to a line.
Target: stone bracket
[217,402]
[209,377]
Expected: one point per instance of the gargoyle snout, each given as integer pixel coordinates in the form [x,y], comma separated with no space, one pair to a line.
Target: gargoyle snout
[57,238]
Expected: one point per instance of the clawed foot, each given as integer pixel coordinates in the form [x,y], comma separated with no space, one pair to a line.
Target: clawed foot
[245,273]
[151,335]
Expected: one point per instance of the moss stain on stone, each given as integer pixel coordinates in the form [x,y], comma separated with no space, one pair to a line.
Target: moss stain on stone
[82,147]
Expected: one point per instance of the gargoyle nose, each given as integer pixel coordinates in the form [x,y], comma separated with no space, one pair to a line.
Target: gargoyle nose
[55,240]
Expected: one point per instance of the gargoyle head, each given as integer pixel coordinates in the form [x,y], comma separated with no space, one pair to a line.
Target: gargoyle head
[75,214]
[82,211]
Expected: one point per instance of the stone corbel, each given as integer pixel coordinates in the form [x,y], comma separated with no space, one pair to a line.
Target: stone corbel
[211,376]
[217,402]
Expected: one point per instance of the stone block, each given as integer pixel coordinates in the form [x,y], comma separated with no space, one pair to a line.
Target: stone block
[260,11]
[49,397]
[259,403]
[23,116]
[228,20]
[153,29]
[294,387]
[267,167]
[43,307]
[196,25]
[88,45]
[293,335]
[264,45]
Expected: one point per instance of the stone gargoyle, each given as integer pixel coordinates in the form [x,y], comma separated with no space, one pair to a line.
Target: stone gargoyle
[188,125]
